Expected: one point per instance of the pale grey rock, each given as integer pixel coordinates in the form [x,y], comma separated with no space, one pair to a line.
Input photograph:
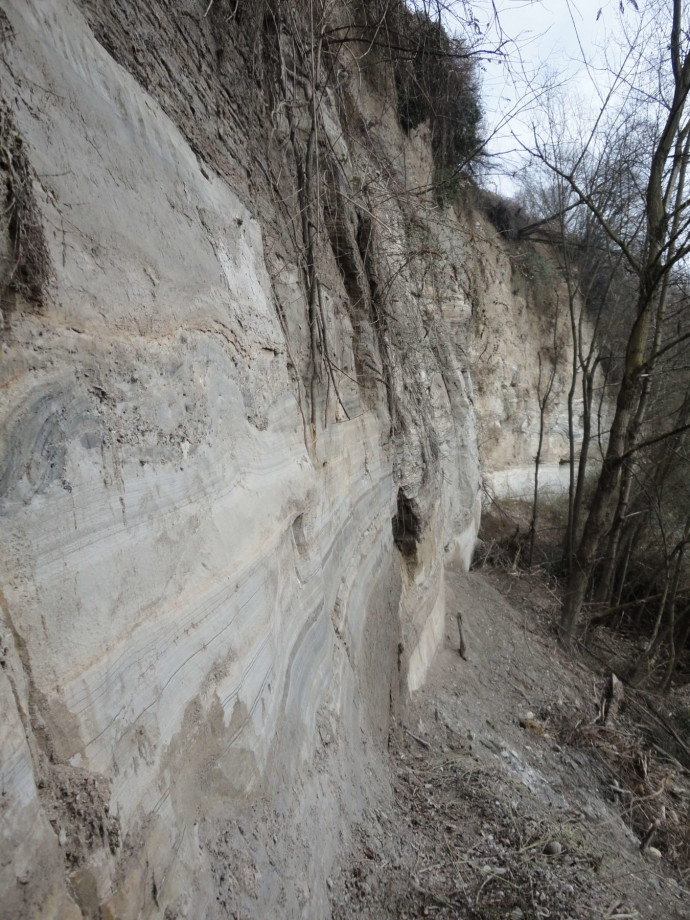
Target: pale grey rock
[193,582]
[512,324]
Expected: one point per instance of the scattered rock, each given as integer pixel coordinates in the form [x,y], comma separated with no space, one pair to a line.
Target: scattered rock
[483,828]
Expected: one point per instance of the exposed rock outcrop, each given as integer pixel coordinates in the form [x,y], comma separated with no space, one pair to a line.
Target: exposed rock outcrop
[520,322]
[236,446]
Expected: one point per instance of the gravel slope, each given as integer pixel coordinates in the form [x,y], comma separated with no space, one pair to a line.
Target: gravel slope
[493,813]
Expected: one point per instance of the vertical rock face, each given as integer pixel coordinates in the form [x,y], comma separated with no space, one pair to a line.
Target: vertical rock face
[221,551]
[521,322]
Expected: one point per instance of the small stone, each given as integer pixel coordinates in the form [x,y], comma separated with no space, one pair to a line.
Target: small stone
[62,837]
[329,882]
[516,914]
[654,852]
[529,715]
[553,848]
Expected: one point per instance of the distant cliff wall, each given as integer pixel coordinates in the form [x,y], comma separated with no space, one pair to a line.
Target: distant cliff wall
[519,335]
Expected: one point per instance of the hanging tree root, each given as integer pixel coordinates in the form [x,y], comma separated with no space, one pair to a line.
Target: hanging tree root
[25,267]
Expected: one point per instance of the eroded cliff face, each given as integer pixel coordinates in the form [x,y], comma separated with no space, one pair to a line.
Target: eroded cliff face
[236,448]
[520,336]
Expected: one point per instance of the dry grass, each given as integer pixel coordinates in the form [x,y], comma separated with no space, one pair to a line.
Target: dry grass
[645,776]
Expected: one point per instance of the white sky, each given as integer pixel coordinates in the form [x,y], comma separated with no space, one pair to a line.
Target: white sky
[545,36]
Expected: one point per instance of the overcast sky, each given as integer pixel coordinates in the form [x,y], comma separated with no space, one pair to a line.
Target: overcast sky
[542,36]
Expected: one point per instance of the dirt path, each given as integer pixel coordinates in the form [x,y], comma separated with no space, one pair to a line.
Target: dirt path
[493,814]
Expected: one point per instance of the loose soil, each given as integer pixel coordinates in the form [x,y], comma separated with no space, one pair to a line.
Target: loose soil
[511,796]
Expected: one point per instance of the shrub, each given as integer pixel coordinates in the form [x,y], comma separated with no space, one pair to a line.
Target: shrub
[436,80]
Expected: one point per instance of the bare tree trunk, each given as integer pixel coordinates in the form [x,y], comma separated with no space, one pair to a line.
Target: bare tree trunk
[604,590]
[666,172]
[570,535]
[587,396]
[670,632]
[641,668]
[622,573]
[598,518]
[610,559]
[543,400]
[671,663]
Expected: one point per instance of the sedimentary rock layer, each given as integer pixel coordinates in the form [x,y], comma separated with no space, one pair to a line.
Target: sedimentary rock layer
[207,611]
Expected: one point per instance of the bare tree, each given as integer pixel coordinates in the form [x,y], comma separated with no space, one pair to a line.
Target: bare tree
[643,113]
